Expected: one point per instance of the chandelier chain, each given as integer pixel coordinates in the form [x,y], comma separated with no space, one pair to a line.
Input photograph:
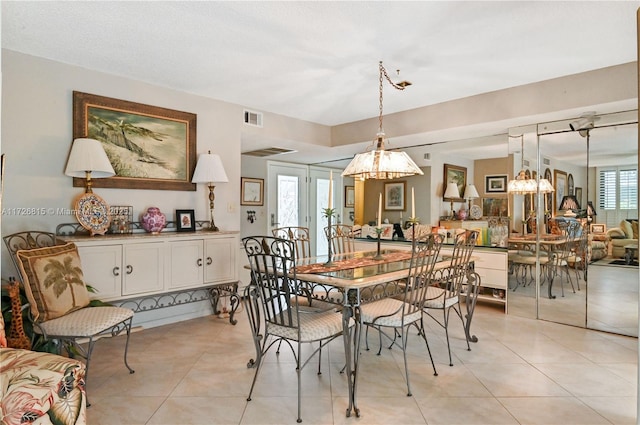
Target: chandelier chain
[383,72]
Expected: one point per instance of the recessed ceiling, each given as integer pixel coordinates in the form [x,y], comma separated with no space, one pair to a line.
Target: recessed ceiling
[318,61]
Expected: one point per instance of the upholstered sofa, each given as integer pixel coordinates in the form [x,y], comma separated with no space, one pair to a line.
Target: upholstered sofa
[625,234]
[40,388]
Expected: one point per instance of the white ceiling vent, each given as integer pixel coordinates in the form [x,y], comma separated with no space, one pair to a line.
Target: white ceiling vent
[268,152]
[525,162]
[253,118]
[546,161]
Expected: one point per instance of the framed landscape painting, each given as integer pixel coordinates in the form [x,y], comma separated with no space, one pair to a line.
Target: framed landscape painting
[395,195]
[495,183]
[149,147]
[457,175]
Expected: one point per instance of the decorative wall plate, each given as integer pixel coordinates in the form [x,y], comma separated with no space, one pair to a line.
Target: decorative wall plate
[475,212]
[92,213]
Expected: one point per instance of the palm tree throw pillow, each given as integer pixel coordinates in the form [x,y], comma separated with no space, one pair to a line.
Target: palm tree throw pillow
[53,280]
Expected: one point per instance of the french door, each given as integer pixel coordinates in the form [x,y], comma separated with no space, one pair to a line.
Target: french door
[287,195]
[297,196]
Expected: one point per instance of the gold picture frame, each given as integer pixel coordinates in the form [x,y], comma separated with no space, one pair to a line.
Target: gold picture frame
[148,146]
[457,175]
[560,185]
[349,196]
[395,195]
[252,191]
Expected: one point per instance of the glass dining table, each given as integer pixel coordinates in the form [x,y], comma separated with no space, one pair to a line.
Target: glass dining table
[352,279]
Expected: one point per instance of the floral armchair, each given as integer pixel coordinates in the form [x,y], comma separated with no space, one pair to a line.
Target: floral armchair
[40,388]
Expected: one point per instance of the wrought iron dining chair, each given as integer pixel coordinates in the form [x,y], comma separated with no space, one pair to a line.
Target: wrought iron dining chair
[299,235]
[399,314]
[276,289]
[72,328]
[341,237]
[445,294]
[561,256]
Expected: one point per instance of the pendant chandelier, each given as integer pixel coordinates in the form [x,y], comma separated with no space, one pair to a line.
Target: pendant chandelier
[381,164]
[522,185]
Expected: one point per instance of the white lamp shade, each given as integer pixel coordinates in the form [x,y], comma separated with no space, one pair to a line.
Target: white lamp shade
[88,155]
[452,191]
[470,192]
[209,169]
[545,186]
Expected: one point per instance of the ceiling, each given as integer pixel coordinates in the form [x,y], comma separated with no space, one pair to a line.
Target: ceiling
[318,61]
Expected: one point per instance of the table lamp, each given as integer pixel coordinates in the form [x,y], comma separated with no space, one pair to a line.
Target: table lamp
[210,170]
[452,193]
[568,204]
[470,193]
[88,160]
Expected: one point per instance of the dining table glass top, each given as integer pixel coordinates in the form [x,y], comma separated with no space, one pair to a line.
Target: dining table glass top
[356,265]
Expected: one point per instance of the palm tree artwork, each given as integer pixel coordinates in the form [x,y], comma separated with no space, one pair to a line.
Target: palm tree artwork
[62,275]
[141,146]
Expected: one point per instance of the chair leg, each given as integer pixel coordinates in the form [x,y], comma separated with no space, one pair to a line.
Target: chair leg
[126,346]
[446,312]
[423,332]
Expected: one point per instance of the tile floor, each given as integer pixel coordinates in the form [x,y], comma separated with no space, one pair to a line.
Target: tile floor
[522,371]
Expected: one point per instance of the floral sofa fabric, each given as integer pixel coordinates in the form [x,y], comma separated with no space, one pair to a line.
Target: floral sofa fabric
[40,388]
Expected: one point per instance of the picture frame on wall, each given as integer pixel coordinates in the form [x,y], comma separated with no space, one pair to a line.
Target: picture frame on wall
[142,155]
[560,186]
[495,207]
[251,191]
[185,221]
[578,195]
[454,174]
[495,183]
[395,195]
[349,197]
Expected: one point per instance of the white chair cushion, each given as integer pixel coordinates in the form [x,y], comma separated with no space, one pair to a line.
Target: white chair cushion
[371,313]
[313,327]
[436,298]
[86,322]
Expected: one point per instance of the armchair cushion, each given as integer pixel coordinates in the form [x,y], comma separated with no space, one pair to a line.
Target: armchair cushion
[616,233]
[627,228]
[53,280]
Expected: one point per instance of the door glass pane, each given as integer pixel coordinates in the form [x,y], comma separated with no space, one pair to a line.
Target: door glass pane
[322,201]
[288,214]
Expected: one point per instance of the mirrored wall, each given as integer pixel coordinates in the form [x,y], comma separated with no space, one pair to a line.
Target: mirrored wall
[602,292]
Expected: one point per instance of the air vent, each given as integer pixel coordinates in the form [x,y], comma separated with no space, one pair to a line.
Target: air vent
[252,118]
[546,161]
[268,152]
[525,162]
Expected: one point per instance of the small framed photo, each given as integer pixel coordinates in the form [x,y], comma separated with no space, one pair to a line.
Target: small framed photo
[185,221]
[496,183]
[598,228]
[394,196]
[252,191]
[349,197]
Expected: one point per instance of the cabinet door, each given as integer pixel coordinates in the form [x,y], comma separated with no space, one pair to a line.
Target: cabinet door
[143,268]
[186,264]
[220,260]
[102,269]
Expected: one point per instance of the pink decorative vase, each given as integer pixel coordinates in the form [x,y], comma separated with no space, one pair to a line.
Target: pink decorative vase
[462,214]
[153,220]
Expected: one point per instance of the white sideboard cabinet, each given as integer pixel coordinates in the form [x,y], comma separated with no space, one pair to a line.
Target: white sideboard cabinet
[134,265]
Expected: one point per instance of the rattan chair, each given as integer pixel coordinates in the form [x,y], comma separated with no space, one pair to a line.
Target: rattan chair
[86,324]
[399,314]
[445,296]
[276,290]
